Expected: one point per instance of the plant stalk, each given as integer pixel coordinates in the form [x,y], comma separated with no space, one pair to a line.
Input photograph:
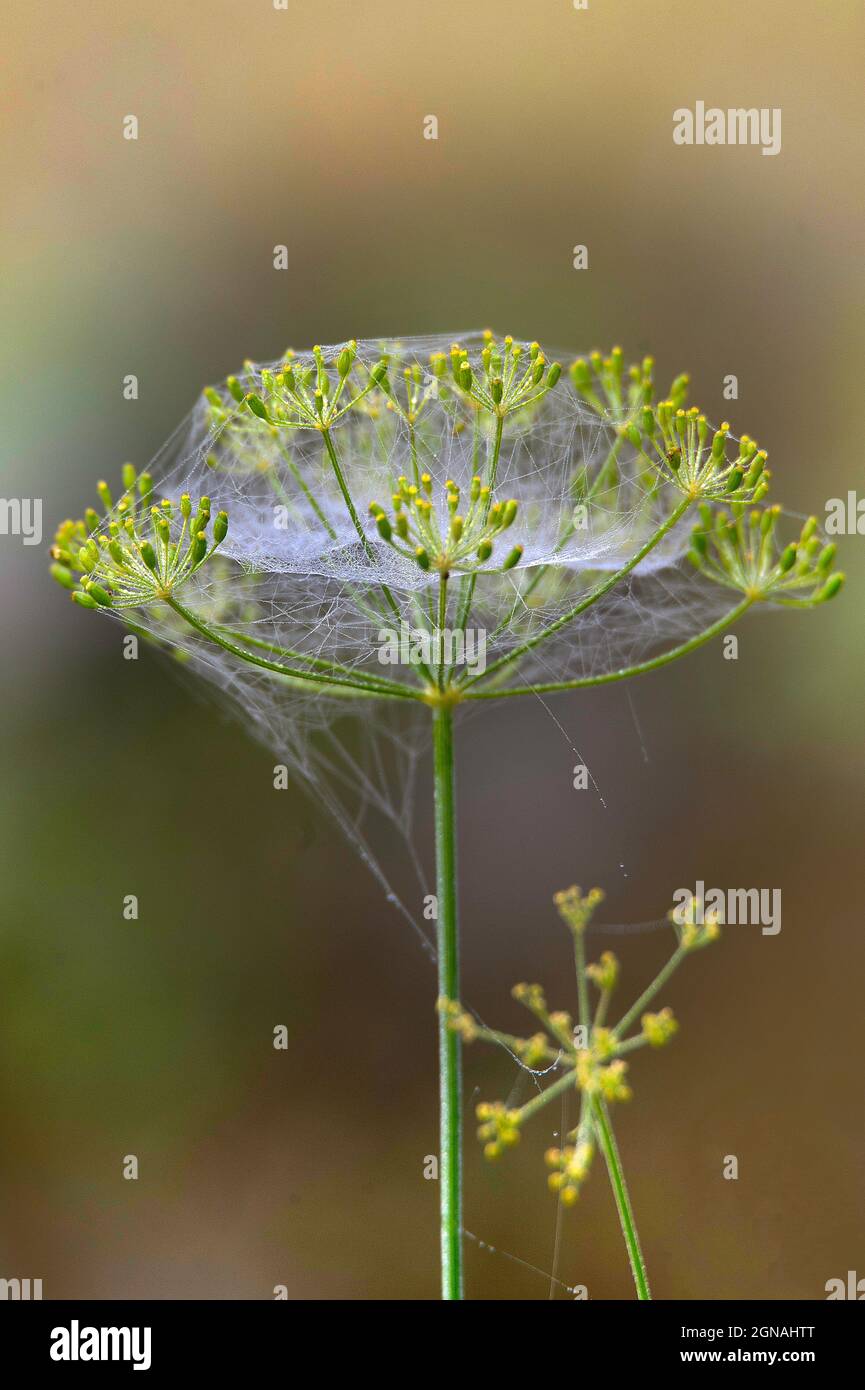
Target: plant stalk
[450,1077]
[623,1201]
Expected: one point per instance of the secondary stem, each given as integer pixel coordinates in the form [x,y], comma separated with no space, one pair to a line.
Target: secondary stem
[592,597]
[365,686]
[624,673]
[648,994]
[450,1079]
[623,1202]
[364,539]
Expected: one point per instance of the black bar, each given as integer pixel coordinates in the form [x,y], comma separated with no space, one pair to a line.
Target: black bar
[225,1338]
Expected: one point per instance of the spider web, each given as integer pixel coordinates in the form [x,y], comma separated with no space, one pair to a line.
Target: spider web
[294,574]
[290,576]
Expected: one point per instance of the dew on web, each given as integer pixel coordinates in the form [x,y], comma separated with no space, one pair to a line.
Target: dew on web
[525,1264]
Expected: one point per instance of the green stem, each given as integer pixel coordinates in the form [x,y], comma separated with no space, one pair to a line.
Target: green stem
[623,1201]
[346,495]
[296,474]
[648,994]
[375,692]
[317,663]
[450,1079]
[584,1016]
[624,672]
[467,591]
[442,623]
[565,1083]
[364,539]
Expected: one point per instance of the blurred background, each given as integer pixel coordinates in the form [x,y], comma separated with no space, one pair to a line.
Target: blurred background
[304,127]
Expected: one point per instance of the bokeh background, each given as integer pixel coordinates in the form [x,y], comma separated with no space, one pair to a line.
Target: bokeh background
[304,127]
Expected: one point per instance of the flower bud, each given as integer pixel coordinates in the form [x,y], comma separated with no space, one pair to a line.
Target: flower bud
[719,440]
[64,576]
[754,472]
[831,587]
[148,555]
[102,597]
[83,599]
[632,434]
[581,374]
[826,556]
[514,558]
[788,558]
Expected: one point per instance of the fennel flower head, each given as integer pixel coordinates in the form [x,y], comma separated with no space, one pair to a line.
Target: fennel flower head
[340,538]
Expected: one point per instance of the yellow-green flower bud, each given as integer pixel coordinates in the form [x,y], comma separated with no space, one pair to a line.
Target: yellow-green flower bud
[83,599]
[832,586]
[64,576]
[102,597]
[659,1028]
[581,374]
[148,555]
[514,558]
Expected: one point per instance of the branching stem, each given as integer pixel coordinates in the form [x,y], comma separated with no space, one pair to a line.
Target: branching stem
[590,598]
[623,1202]
[624,673]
